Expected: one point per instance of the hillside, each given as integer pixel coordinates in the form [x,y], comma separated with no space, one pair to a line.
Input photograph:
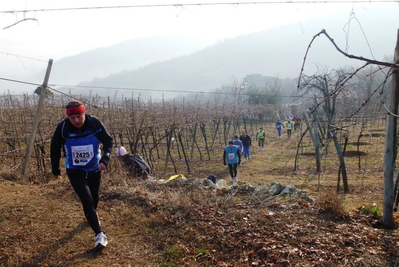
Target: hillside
[278,52]
[179,224]
[125,56]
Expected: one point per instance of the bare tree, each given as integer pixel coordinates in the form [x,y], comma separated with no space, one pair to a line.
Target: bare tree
[392,114]
[329,85]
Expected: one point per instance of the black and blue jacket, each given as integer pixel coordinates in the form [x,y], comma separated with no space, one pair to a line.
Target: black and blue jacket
[81,146]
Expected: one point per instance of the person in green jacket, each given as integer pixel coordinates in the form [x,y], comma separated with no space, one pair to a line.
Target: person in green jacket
[289,125]
[260,137]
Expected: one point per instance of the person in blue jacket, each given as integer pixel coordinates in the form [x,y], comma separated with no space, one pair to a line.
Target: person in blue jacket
[238,142]
[279,127]
[232,157]
[79,137]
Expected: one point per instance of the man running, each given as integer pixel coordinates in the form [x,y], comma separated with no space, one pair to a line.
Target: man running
[232,157]
[246,142]
[237,142]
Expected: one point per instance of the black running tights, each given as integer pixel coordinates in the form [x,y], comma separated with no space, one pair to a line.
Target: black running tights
[86,186]
[233,169]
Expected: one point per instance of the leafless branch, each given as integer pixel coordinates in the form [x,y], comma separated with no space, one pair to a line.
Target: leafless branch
[339,87]
[19,22]
[366,101]
[369,61]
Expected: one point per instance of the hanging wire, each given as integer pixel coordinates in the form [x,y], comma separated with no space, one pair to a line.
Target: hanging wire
[195,4]
[25,57]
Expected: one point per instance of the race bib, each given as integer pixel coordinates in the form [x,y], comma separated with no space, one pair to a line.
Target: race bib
[231,156]
[81,155]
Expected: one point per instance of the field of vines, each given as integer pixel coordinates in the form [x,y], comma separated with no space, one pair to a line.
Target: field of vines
[172,137]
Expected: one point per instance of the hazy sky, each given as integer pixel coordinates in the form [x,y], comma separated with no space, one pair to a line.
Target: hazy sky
[55,34]
[59,33]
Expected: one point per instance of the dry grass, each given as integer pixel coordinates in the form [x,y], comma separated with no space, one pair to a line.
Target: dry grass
[329,202]
[42,224]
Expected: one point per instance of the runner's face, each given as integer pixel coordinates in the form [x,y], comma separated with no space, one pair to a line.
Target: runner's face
[77,120]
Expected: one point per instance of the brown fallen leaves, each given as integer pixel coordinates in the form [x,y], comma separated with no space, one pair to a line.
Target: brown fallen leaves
[149,225]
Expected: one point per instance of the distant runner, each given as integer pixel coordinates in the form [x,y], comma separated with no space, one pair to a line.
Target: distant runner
[232,157]
[246,142]
[260,137]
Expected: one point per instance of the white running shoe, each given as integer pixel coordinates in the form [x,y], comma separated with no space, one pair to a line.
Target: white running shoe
[101,241]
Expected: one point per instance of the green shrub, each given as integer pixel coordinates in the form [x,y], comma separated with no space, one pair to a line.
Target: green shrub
[372,209]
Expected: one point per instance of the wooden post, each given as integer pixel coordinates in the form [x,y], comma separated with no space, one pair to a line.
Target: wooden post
[216,128]
[194,134]
[168,154]
[316,138]
[390,145]
[36,120]
[139,133]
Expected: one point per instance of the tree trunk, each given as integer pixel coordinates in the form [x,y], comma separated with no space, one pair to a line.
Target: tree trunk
[341,162]
[168,143]
[315,137]
[180,140]
[340,167]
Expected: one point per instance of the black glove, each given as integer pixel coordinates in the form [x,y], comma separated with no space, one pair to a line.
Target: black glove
[224,163]
[104,160]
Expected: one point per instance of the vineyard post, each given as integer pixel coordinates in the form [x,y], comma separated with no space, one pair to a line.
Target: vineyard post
[316,138]
[245,123]
[251,125]
[139,132]
[131,130]
[194,134]
[144,141]
[37,118]
[390,145]
[184,152]
[216,128]
[178,144]
[236,125]
[169,140]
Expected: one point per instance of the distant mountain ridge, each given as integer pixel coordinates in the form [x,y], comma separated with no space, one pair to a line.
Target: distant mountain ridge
[278,52]
[125,56]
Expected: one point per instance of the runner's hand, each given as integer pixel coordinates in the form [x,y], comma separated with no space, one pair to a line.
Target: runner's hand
[102,167]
